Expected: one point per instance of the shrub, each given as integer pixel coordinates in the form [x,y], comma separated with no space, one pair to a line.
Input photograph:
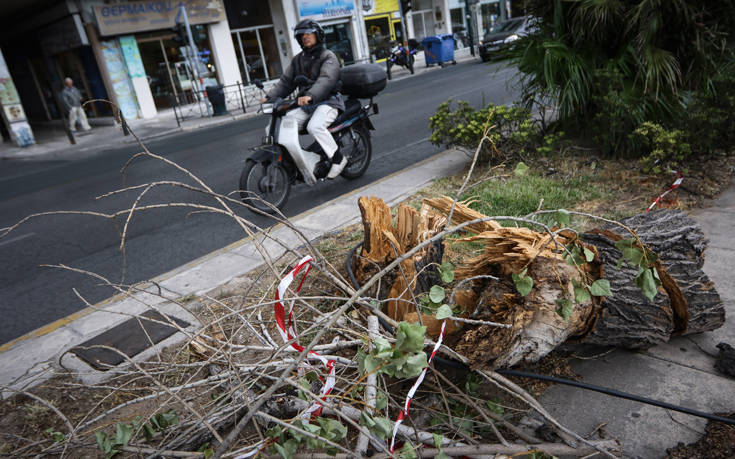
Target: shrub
[710,120]
[509,129]
[666,149]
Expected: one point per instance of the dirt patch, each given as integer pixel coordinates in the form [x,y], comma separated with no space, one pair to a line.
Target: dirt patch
[718,442]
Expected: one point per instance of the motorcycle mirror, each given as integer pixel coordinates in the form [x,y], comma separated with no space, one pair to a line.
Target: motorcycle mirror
[301,80]
[258,83]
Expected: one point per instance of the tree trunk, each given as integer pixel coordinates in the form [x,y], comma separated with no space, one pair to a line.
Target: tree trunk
[687,301]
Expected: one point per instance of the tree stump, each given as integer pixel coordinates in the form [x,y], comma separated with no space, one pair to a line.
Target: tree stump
[687,302]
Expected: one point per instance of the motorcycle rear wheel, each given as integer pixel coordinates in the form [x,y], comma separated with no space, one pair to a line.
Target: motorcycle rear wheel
[358,151]
[265,186]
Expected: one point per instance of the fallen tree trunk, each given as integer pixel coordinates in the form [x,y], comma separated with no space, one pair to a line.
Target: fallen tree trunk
[687,302]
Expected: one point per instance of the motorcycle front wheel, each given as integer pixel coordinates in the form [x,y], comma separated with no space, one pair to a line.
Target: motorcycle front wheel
[264,186]
[358,150]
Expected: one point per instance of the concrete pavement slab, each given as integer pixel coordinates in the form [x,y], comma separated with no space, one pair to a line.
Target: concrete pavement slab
[645,431]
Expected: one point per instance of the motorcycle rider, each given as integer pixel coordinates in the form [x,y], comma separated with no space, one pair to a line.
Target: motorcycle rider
[320,103]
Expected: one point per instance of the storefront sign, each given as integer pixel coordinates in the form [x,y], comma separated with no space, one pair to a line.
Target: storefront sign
[14,113]
[137,16]
[22,133]
[121,84]
[320,9]
[370,7]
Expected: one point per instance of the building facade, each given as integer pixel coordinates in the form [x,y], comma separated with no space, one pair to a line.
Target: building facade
[130,53]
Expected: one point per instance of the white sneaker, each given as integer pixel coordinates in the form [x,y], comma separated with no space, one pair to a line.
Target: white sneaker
[337,168]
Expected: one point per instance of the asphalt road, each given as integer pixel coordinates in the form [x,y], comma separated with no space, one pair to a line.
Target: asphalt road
[157,241]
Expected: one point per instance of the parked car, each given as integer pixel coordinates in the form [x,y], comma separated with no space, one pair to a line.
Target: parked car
[502,35]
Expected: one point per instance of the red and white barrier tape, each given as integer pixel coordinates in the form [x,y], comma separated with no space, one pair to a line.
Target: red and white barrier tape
[671,188]
[288,333]
[404,412]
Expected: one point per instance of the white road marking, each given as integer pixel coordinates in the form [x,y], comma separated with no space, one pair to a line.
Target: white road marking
[15,239]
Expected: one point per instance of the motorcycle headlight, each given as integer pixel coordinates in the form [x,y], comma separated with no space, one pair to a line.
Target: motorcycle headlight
[510,39]
[267,108]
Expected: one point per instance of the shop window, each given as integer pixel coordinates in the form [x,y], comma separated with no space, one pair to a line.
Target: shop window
[257,53]
[423,24]
[490,16]
[338,39]
[379,36]
[170,74]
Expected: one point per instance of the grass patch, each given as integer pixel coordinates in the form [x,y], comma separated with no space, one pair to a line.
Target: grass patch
[519,196]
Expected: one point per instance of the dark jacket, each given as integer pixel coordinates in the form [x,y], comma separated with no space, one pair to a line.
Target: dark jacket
[71,97]
[319,65]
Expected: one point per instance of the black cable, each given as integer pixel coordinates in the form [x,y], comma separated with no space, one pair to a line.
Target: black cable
[523,374]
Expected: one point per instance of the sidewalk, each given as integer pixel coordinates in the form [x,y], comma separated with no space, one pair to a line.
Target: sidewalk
[52,142]
[679,372]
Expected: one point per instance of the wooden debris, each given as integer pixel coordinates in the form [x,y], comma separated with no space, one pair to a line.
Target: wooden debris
[687,301]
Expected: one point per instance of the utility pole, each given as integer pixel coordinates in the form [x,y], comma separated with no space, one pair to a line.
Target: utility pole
[470,30]
[403,19]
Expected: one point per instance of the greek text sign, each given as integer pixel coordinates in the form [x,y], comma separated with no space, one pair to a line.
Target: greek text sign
[138,16]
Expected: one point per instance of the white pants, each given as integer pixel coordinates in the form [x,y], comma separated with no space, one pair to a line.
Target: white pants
[318,122]
[76,113]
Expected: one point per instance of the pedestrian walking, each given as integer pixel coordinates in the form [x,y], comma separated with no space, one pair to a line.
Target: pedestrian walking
[72,99]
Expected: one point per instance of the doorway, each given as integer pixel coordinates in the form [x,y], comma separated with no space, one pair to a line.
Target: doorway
[338,39]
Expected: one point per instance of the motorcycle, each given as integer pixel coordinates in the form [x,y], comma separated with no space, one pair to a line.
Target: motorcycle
[403,56]
[280,162]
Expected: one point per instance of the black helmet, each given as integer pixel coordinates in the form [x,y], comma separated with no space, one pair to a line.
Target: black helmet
[308,26]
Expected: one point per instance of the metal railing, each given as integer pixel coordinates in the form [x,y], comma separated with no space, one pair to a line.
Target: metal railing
[238,98]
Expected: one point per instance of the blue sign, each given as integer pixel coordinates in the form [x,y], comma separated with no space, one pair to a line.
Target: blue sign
[325,8]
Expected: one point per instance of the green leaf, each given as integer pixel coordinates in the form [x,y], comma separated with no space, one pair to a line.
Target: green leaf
[495,408]
[438,440]
[564,308]
[370,364]
[562,217]
[523,283]
[169,418]
[647,283]
[573,254]
[381,344]
[102,440]
[520,169]
[410,337]
[446,272]
[601,287]
[442,455]
[624,244]
[412,365]
[207,450]
[288,449]
[443,312]
[122,434]
[381,401]
[55,435]
[589,255]
[436,294]
[581,294]
[366,420]
[383,427]
[407,452]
